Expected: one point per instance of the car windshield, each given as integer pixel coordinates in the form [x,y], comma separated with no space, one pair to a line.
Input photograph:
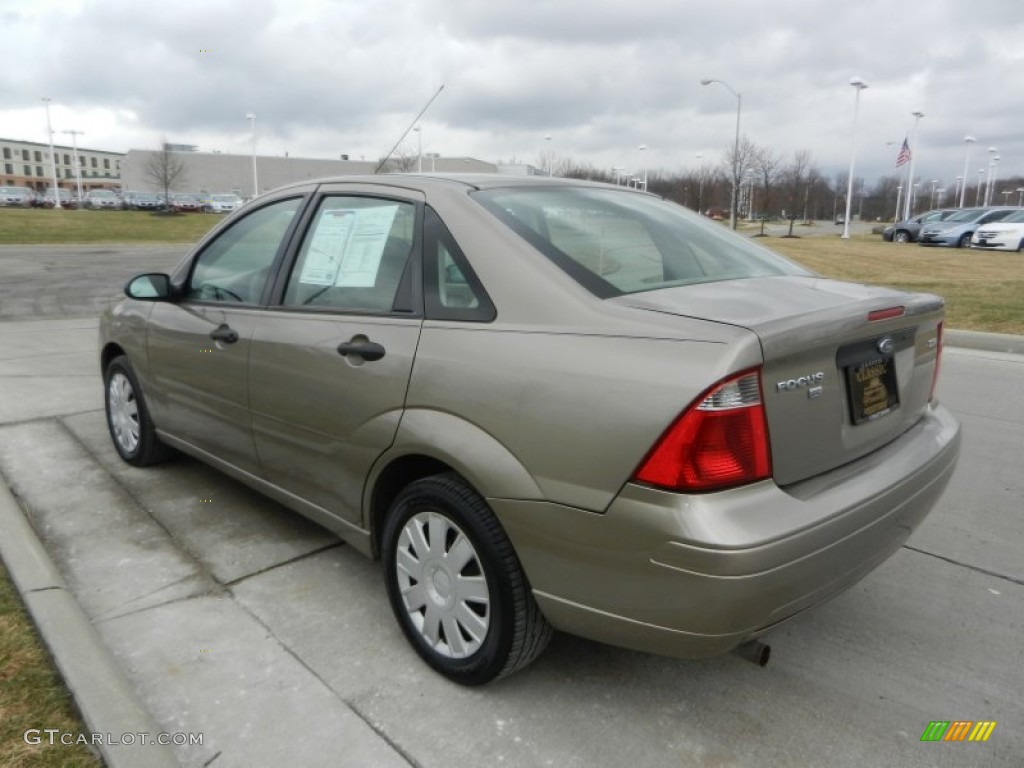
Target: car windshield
[1014,218]
[615,242]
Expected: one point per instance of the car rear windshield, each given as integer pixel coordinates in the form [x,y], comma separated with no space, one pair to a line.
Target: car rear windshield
[616,241]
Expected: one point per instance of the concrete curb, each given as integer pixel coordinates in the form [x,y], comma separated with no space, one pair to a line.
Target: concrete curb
[986,342]
[106,700]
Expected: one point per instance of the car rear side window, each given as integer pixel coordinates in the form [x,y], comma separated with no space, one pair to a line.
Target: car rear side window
[452,290]
[354,255]
[615,242]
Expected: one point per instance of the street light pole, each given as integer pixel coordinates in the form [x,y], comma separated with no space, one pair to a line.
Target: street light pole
[981,181]
[551,170]
[642,147]
[860,85]
[419,149]
[913,160]
[700,183]
[968,140]
[53,159]
[78,167]
[255,178]
[735,148]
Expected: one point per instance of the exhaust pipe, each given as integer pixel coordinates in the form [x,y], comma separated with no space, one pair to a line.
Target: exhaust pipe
[754,651]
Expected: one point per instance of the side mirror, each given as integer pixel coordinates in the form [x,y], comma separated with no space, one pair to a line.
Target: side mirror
[154,286]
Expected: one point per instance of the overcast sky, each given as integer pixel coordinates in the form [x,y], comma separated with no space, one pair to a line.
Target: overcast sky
[326,77]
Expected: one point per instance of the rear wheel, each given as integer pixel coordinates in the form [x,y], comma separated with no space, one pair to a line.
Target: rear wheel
[128,420]
[456,585]
[901,236]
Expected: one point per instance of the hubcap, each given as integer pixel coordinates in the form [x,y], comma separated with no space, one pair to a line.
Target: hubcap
[443,586]
[124,412]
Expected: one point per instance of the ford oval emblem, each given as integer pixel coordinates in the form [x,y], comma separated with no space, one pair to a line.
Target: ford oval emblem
[886,346]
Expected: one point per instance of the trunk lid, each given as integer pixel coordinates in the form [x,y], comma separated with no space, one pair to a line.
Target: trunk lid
[841,377]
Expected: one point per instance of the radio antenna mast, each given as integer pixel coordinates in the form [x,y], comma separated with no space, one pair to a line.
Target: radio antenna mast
[414,121]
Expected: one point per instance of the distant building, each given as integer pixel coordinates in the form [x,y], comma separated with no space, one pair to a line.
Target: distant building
[214,172]
[27,164]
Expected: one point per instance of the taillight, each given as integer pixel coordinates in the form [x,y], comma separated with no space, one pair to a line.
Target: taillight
[719,441]
[938,360]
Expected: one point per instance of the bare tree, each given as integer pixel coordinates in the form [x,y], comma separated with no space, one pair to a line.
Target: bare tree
[400,161]
[165,169]
[766,163]
[738,162]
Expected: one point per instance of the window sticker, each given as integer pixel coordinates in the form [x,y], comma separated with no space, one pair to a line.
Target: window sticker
[346,247]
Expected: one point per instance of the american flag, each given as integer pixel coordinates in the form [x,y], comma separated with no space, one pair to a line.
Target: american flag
[904,155]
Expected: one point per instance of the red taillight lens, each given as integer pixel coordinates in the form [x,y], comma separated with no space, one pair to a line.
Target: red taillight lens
[938,360]
[719,441]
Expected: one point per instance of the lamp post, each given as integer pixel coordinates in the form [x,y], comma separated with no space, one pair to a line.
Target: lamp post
[419,149]
[53,159]
[958,190]
[913,158]
[859,85]
[1020,196]
[700,183]
[968,140]
[935,183]
[735,148]
[991,186]
[981,181]
[642,148]
[1006,196]
[433,156]
[551,170]
[899,193]
[255,178]
[78,167]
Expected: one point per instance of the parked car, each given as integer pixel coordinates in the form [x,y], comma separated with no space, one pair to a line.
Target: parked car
[543,403]
[48,199]
[186,202]
[906,231]
[141,201]
[1004,235]
[16,197]
[957,229]
[102,199]
[222,203]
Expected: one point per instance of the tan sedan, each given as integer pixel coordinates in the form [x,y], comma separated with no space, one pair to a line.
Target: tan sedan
[543,404]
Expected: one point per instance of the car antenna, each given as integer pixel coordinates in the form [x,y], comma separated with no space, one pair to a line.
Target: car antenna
[402,137]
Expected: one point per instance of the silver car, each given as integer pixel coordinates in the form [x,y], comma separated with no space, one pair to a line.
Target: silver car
[544,405]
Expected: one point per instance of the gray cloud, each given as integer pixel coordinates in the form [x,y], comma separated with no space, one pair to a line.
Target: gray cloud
[325,77]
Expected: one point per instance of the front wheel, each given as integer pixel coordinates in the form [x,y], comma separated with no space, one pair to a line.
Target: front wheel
[901,237]
[964,241]
[128,420]
[456,585]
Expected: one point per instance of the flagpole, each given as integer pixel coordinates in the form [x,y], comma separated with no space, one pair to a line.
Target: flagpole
[909,200]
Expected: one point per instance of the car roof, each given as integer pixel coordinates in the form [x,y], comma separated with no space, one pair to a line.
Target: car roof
[474,181]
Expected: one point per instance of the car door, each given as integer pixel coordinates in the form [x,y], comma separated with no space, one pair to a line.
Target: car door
[198,346]
[330,364]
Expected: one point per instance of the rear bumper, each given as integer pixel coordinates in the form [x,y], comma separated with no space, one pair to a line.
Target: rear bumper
[694,576]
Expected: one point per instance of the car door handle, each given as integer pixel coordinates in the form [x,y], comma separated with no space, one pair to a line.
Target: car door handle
[368,350]
[225,333]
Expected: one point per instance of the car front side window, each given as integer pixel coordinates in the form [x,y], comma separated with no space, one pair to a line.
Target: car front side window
[235,266]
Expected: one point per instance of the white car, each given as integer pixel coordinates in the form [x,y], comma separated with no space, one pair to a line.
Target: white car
[1004,235]
[100,199]
[222,204]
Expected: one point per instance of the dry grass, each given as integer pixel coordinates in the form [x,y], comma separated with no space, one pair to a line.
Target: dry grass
[50,227]
[32,695]
[984,290]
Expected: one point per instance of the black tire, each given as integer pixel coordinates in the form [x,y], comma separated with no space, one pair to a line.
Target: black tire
[128,419]
[901,236]
[964,241]
[493,635]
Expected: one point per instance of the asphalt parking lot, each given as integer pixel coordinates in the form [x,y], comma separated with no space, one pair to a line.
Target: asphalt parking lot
[230,617]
